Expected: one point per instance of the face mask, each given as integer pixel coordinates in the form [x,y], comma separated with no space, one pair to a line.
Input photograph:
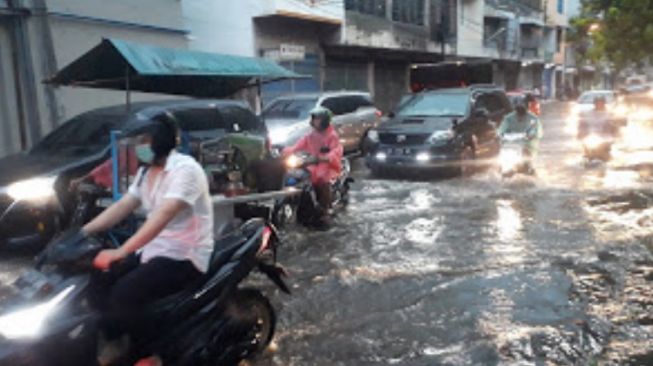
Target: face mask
[144,153]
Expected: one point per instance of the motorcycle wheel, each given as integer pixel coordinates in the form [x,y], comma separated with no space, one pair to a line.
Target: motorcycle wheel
[250,323]
[284,214]
[254,308]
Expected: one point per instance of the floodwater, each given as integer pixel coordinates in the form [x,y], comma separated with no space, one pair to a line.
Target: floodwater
[546,270]
[551,270]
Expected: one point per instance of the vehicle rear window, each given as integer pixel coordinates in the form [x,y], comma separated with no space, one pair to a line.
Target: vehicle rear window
[240,119]
[199,119]
[291,109]
[437,105]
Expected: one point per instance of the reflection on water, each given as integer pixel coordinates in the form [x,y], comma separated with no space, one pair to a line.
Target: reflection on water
[508,221]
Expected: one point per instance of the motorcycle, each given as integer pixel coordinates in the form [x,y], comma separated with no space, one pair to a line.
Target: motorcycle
[304,207]
[55,317]
[514,157]
[597,147]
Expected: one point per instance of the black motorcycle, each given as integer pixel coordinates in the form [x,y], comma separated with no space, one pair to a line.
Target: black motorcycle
[304,207]
[54,319]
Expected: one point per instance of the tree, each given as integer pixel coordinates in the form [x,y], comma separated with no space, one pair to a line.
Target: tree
[625,34]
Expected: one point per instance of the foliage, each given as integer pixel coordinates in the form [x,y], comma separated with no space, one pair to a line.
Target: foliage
[624,35]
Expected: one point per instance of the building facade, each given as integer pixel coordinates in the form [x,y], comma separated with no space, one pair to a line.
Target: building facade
[37,38]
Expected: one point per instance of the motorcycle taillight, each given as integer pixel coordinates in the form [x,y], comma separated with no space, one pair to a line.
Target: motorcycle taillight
[266,239]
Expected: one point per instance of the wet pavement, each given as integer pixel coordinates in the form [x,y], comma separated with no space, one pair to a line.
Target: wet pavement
[552,270]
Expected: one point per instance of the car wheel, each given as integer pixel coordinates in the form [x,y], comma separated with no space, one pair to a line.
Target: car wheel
[467,159]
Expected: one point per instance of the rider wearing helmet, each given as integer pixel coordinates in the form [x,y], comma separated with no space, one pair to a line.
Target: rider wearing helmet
[322,142]
[598,120]
[174,243]
[523,121]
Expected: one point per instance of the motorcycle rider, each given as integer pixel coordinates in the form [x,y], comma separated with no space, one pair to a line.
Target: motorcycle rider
[599,119]
[323,143]
[174,243]
[523,121]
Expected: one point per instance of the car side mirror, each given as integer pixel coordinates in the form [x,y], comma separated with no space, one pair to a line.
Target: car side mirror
[481,113]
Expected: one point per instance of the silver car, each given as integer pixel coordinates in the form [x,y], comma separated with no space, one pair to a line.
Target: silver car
[354,113]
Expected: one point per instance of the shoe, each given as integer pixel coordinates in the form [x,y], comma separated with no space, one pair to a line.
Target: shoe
[111,351]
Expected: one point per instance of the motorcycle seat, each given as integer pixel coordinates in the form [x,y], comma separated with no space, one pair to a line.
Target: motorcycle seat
[224,249]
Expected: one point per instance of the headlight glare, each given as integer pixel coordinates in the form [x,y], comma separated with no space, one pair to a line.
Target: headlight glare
[32,189]
[28,323]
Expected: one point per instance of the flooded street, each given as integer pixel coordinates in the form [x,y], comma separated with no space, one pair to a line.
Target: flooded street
[547,270]
[480,271]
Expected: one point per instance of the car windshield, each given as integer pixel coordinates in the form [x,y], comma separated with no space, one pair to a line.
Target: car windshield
[437,105]
[588,98]
[290,109]
[84,134]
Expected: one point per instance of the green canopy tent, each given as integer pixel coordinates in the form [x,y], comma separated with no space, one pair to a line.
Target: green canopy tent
[121,65]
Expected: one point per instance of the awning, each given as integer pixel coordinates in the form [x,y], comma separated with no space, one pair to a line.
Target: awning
[120,65]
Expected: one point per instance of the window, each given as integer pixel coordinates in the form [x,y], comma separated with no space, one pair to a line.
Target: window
[290,110]
[241,119]
[408,11]
[492,102]
[199,119]
[437,105]
[361,101]
[561,6]
[83,134]
[371,7]
[339,105]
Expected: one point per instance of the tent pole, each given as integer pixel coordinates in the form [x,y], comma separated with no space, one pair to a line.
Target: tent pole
[259,100]
[128,100]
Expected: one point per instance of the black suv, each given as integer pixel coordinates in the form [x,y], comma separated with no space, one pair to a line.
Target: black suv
[80,144]
[445,129]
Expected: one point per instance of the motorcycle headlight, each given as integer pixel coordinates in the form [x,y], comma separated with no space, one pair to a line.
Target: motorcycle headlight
[509,158]
[373,135]
[32,189]
[28,323]
[440,136]
[593,141]
[293,161]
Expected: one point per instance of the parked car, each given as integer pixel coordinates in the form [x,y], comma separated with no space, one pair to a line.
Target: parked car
[444,129]
[34,197]
[354,113]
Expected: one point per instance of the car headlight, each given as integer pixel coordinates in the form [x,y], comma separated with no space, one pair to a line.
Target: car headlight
[441,136]
[28,323]
[32,189]
[373,135]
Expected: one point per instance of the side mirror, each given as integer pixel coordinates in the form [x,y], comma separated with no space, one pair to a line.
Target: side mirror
[481,113]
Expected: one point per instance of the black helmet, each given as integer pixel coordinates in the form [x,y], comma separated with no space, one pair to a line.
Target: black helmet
[324,115]
[164,131]
[520,104]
